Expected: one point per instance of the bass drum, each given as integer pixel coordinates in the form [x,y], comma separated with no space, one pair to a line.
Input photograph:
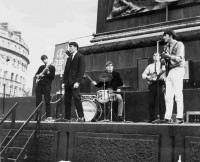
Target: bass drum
[92,110]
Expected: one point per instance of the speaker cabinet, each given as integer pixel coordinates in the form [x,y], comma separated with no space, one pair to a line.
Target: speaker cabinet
[196,69]
[188,79]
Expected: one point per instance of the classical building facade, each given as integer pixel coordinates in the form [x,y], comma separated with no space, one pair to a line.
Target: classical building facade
[13,62]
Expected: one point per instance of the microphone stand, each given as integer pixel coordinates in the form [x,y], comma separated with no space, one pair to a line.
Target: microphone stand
[104,104]
[60,119]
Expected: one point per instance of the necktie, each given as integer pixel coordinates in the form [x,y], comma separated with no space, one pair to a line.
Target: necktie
[155,67]
[69,60]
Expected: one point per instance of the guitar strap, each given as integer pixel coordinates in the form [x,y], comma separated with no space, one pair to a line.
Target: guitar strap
[169,66]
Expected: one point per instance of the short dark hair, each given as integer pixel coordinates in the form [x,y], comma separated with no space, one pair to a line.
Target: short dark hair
[109,63]
[170,32]
[74,44]
[43,57]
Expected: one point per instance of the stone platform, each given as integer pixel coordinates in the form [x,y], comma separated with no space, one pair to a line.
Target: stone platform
[115,141]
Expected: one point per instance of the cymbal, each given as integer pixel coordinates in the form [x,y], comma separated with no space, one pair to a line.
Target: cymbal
[161,1]
[105,77]
[124,87]
[117,92]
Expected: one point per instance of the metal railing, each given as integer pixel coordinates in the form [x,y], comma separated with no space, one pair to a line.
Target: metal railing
[13,112]
[38,111]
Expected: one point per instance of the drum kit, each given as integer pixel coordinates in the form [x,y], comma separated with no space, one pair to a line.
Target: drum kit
[92,103]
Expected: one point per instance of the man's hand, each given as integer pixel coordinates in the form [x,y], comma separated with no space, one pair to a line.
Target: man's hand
[166,55]
[39,75]
[76,85]
[94,83]
[63,85]
[118,90]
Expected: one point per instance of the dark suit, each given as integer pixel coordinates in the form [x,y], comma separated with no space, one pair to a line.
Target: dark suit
[74,71]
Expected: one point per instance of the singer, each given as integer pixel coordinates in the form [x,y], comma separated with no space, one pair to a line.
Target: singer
[174,54]
[73,74]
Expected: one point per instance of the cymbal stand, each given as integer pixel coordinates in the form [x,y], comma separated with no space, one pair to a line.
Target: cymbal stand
[124,97]
[104,104]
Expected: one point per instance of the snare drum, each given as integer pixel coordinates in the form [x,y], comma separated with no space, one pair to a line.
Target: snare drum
[88,97]
[103,96]
[92,110]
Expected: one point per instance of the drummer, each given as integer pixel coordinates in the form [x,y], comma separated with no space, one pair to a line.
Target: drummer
[113,85]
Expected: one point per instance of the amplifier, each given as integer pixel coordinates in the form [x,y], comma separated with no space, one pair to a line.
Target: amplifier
[188,79]
[193,117]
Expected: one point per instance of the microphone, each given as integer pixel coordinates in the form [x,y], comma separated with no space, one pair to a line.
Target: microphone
[8,59]
[67,52]
[162,62]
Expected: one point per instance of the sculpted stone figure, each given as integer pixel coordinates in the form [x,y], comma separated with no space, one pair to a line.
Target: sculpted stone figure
[126,7]
[123,7]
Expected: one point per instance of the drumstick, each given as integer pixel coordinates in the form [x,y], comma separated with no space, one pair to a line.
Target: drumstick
[88,77]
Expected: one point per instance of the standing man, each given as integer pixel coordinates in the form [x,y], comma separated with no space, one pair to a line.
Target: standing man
[73,74]
[154,74]
[113,85]
[44,77]
[174,54]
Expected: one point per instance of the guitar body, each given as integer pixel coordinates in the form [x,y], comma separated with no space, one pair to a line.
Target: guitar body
[153,78]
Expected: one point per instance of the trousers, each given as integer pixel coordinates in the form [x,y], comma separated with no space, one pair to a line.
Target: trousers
[174,88]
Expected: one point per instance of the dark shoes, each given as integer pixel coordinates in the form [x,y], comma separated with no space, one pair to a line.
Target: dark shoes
[168,121]
[165,121]
[179,121]
[81,119]
[120,118]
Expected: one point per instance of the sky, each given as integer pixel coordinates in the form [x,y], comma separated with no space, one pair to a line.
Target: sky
[45,23]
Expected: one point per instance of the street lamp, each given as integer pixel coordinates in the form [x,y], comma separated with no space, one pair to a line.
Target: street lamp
[4,89]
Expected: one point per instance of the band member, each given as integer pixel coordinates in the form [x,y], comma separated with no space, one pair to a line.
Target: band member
[113,85]
[174,54]
[73,74]
[154,74]
[44,77]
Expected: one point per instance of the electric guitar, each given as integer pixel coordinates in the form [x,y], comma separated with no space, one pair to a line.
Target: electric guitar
[39,77]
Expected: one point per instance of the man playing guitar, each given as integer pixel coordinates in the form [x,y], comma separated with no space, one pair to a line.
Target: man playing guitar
[174,53]
[44,77]
[154,74]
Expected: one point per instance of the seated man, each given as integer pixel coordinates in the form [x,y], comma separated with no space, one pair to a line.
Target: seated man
[113,85]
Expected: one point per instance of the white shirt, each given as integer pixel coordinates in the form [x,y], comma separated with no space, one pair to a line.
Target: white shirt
[73,55]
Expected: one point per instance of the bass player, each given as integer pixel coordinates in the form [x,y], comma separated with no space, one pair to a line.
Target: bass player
[174,54]
[154,74]
[44,77]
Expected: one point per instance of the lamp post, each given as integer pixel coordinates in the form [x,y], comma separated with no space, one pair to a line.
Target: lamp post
[4,90]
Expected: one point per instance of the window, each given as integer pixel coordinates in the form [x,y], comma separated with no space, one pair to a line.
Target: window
[16,77]
[12,75]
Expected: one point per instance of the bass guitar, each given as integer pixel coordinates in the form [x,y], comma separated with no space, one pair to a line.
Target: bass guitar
[154,77]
